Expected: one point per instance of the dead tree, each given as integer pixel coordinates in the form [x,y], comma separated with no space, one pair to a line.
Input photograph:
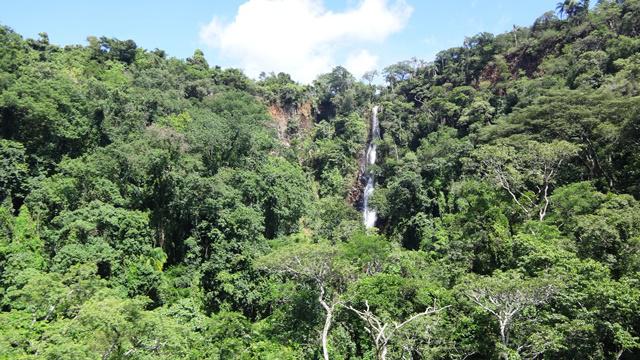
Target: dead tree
[382,332]
[315,265]
[505,299]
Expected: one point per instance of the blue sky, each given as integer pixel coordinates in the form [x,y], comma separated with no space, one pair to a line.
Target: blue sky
[302,37]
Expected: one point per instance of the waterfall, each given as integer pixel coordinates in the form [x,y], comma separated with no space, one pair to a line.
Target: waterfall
[370,215]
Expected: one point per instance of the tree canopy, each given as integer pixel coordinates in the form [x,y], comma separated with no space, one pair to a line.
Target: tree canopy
[159,208]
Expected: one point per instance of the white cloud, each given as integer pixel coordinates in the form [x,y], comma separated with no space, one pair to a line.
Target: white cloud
[430,40]
[360,62]
[302,37]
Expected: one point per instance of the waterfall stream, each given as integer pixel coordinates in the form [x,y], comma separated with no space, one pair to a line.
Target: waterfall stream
[370,215]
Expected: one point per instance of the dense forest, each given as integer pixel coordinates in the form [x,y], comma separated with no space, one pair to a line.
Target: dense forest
[158,208]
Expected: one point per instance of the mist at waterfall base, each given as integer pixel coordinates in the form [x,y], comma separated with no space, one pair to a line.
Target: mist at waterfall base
[370,215]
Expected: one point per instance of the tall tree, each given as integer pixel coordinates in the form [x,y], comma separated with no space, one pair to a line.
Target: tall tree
[319,266]
[382,332]
[526,171]
[509,298]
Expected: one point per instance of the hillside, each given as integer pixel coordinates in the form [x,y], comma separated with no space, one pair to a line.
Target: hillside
[158,208]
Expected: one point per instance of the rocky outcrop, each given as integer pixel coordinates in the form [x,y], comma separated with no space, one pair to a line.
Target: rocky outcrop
[291,122]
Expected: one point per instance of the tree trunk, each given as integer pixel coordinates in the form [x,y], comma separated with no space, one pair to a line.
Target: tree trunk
[383,352]
[543,210]
[325,332]
[327,322]
[503,333]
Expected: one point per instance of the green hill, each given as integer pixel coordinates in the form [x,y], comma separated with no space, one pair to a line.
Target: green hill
[158,208]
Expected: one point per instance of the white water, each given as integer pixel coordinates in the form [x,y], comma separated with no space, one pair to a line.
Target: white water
[370,215]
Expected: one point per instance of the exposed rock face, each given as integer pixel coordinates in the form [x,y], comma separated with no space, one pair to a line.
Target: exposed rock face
[280,122]
[305,112]
[291,122]
[296,122]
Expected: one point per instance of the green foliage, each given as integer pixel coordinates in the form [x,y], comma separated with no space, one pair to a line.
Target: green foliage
[13,170]
[280,89]
[526,171]
[21,250]
[157,208]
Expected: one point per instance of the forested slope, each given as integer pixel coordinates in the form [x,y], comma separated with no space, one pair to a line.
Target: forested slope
[153,207]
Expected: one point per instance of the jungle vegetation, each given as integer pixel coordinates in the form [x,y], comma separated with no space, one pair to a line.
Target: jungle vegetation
[158,208]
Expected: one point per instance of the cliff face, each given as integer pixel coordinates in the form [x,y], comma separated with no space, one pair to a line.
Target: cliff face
[290,122]
[296,122]
[354,197]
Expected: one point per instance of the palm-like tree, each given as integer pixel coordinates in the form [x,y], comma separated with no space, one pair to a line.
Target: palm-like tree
[571,7]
